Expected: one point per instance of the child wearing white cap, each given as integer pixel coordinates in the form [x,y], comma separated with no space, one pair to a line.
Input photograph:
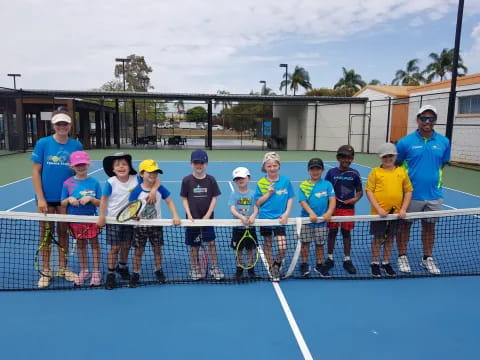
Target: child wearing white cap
[242,206]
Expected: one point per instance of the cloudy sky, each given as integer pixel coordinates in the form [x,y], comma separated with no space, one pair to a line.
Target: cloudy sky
[203,46]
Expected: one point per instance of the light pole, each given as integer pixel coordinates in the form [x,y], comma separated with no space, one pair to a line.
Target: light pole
[123,61]
[286,76]
[14,77]
[264,86]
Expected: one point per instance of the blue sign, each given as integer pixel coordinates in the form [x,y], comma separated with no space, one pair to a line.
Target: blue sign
[267,128]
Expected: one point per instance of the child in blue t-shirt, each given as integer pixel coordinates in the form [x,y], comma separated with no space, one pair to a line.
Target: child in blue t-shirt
[149,171]
[317,198]
[242,206]
[274,198]
[81,196]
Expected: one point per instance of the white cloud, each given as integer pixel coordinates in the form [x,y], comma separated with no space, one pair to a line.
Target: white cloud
[472,56]
[73,44]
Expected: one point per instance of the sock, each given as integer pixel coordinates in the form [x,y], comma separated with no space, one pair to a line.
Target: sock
[425,257]
[346,258]
[384,263]
[375,263]
[400,255]
[122,266]
[111,270]
[330,256]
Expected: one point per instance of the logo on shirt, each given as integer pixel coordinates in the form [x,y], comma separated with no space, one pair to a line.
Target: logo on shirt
[417,146]
[87,193]
[281,192]
[200,190]
[61,159]
[244,201]
[320,194]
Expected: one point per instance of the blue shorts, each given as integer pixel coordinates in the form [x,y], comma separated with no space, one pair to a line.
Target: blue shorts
[119,234]
[195,236]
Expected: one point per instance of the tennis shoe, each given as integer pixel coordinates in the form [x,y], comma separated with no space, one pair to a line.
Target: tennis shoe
[194,274]
[134,280]
[251,273]
[44,280]
[238,273]
[376,270]
[403,264]
[96,278]
[322,270]
[123,272]
[388,269]
[348,265]
[67,274]
[216,273]
[304,269]
[329,263]
[275,272]
[160,276]
[111,282]
[430,265]
[84,275]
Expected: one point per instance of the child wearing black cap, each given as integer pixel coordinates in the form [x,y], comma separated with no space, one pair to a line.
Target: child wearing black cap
[317,199]
[199,194]
[348,190]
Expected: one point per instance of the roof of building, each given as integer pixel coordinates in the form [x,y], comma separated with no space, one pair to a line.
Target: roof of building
[404,91]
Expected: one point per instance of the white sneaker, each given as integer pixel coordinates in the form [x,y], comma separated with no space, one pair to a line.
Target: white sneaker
[429,264]
[68,274]
[44,281]
[194,274]
[216,273]
[403,264]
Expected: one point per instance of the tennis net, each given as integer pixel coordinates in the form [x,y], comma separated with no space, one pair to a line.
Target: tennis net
[456,250]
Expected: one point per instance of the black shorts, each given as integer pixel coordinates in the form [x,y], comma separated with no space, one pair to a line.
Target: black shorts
[237,234]
[54,203]
[275,230]
[377,228]
[142,234]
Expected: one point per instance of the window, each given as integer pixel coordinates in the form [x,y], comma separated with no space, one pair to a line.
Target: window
[469,104]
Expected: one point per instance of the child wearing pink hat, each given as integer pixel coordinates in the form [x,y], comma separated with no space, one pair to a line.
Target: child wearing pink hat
[81,195]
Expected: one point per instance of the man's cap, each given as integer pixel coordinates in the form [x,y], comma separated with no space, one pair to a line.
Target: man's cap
[149,165]
[315,163]
[271,156]
[387,149]
[108,163]
[61,117]
[79,157]
[427,108]
[199,155]
[240,172]
[346,150]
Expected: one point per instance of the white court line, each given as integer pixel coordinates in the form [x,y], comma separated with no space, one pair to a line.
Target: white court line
[33,199]
[14,182]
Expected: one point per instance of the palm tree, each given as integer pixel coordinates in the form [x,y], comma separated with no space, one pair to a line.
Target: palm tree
[286,81]
[350,83]
[225,103]
[375,82]
[300,77]
[180,106]
[443,64]
[410,76]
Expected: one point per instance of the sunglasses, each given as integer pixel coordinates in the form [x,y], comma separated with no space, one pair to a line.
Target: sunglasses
[428,118]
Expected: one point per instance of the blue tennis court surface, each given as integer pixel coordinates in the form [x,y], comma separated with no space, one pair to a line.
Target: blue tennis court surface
[428,318]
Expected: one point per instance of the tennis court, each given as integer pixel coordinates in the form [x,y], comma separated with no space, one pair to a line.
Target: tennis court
[416,318]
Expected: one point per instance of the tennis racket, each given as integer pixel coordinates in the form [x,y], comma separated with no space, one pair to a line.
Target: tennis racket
[45,246]
[246,239]
[129,211]
[202,257]
[82,231]
[388,224]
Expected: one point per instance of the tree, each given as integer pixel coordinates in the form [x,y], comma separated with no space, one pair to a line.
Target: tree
[350,83]
[411,76]
[300,77]
[112,85]
[197,114]
[224,103]
[325,92]
[180,106]
[375,82]
[442,65]
[136,73]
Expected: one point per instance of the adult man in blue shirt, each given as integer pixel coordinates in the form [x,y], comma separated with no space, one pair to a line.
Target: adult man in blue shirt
[424,153]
